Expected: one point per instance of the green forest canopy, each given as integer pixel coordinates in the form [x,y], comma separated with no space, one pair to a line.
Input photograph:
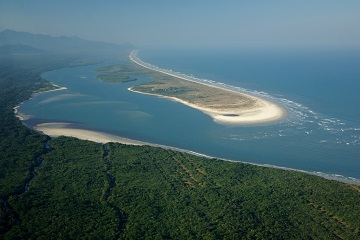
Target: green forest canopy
[88,190]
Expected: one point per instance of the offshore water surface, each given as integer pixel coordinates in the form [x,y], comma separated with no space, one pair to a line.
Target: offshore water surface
[319,89]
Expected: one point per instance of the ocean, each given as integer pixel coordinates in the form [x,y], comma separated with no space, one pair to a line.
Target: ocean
[318,87]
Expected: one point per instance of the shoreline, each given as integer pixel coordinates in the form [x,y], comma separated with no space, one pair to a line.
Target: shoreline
[23,117]
[105,137]
[254,116]
[56,129]
[59,88]
[266,112]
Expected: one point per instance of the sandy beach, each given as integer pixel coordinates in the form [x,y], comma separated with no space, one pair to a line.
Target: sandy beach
[65,129]
[267,112]
[57,89]
[262,111]
[22,116]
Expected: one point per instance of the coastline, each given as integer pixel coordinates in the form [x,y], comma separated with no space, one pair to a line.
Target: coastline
[56,129]
[266,114]
[59,88]
[264,111]
[19,115]
[23,117]
[103,138]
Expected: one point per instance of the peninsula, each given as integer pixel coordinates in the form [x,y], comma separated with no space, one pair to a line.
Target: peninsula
[81,189]
[224,105]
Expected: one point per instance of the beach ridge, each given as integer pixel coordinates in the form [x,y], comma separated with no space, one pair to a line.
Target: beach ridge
[260,111]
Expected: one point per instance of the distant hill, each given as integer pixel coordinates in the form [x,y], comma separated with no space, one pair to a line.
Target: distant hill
[57,44]
[19,49]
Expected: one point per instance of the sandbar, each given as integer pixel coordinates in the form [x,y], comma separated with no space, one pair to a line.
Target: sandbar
[224,106]
[56,129]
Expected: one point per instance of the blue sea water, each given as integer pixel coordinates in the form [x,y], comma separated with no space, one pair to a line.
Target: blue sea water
[318,87]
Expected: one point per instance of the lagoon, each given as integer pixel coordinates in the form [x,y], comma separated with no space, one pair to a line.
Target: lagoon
[319,135]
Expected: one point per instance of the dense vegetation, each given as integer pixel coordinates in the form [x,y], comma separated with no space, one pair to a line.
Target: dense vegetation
[20,147]
[85,190]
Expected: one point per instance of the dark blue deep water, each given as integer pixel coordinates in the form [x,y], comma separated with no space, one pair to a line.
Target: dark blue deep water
[318,87]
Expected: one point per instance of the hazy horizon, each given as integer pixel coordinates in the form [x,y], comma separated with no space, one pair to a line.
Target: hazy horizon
[185,23]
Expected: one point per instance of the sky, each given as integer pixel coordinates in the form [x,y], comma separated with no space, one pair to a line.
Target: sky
[191,23]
